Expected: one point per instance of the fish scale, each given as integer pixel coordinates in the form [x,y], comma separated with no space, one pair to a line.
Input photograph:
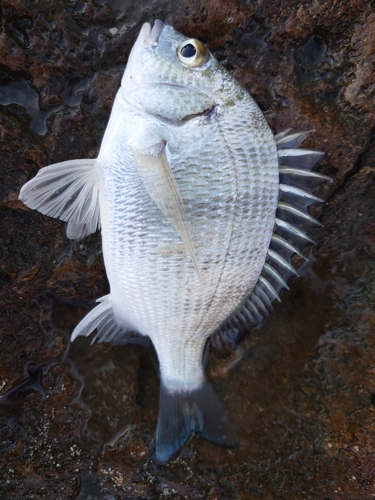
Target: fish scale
[198,230]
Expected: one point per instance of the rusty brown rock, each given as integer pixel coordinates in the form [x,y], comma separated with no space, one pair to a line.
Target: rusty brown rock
[77,421]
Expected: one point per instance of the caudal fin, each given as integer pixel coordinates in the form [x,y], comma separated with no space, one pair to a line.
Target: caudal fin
[182,412]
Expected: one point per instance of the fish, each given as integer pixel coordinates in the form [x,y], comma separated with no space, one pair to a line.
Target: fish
[201,209]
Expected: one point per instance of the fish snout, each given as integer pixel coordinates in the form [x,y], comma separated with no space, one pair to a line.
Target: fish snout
[149,35]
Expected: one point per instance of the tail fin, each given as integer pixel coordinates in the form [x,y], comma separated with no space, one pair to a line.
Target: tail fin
[198,410]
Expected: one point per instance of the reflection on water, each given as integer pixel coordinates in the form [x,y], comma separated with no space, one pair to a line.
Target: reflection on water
[20,92]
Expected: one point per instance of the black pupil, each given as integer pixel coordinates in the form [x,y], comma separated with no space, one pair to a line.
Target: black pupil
[188,51]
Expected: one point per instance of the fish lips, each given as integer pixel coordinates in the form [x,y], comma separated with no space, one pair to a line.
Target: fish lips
[149,34]
[154,32]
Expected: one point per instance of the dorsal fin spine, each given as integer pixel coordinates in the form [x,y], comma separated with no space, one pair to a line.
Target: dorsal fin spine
[286,244]
[267,267]
[293,229]
[299,213]
[269,287]
[280,260]
[261,294]
[303,173]
[286,188]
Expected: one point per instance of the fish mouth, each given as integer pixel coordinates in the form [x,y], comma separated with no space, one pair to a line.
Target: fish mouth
[154,32]
[150,34]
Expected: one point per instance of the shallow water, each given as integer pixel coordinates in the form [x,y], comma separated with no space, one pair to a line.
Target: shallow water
[78,421]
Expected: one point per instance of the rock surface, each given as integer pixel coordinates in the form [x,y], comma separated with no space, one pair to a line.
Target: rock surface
[77,421]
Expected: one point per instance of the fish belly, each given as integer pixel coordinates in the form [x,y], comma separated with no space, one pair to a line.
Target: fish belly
[227,173]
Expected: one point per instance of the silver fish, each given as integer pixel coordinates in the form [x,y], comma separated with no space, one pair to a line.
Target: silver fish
[200,209]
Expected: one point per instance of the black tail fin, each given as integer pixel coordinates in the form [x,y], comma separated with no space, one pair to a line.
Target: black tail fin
[181,412]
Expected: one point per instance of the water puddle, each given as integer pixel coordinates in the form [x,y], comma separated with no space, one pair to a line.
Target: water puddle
[20,92]
[312,62]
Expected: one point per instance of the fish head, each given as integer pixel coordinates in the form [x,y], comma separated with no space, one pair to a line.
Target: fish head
[172,76]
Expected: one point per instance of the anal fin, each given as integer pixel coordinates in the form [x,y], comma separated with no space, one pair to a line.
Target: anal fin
[109,328]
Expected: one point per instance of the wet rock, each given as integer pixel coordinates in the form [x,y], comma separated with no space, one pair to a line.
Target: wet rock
[78,421]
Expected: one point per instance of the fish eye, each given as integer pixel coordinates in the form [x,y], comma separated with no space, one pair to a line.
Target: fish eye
[192,53]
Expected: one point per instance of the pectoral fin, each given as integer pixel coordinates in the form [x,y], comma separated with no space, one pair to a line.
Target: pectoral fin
[162,187]
[68,191]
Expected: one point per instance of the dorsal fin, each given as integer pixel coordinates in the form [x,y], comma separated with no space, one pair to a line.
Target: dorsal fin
[292,223]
